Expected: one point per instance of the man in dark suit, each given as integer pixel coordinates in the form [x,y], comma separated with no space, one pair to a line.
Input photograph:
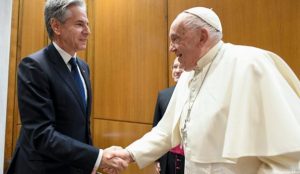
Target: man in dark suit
[54,95]
[173,161]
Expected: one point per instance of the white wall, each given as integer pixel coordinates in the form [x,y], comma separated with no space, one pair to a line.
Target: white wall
[5,21]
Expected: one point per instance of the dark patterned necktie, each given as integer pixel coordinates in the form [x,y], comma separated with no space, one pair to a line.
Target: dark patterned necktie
[76,76]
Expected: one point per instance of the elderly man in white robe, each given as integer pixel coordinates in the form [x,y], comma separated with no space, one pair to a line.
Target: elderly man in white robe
[235,109]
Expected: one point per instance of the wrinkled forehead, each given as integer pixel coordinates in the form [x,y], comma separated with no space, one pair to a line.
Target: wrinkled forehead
[178,26]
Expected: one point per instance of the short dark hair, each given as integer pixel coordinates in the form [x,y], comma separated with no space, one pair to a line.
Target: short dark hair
[57,9]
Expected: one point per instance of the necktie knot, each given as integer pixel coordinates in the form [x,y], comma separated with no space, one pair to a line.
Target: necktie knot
[73,63]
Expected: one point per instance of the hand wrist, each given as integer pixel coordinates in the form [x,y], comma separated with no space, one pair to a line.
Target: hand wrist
[132,159]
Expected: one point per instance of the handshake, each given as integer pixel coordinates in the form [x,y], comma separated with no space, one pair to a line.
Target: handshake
[115,159]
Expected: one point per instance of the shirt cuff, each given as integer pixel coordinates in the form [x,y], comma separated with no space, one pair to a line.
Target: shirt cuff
[131,155]
[98,161]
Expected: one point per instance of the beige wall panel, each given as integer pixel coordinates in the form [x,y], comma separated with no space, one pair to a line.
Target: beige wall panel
[32,31]
[130,63]
[108,133]
[268,24]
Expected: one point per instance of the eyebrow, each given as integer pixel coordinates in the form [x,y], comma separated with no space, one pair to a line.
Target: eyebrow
[82,21]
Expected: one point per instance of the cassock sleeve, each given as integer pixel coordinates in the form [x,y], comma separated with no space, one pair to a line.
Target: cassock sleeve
[162,137]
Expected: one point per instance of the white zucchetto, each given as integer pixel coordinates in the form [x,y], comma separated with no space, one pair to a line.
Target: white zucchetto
[206,15]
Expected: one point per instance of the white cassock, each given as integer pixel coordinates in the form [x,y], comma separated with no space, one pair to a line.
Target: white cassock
[245,119]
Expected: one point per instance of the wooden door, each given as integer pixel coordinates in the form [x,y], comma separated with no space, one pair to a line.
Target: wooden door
[130,66]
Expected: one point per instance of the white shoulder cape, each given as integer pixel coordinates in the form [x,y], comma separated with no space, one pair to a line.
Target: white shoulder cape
[249,106]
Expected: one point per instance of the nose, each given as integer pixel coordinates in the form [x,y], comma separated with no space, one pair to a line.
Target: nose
[172,47]
[87,30]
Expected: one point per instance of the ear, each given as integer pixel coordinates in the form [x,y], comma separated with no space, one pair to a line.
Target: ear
[203,36]
[56,26]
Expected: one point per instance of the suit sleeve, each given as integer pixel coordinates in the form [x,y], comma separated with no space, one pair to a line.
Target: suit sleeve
[37,113]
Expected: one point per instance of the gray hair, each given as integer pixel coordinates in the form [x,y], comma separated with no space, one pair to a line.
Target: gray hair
[57,9]
[194,22]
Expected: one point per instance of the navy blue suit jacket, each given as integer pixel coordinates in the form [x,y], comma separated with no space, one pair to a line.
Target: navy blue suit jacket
[55,135]
[162,102]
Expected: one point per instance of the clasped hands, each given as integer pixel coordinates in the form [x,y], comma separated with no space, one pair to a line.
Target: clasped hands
[115,159]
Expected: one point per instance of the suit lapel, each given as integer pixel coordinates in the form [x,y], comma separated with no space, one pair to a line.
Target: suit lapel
[63,71]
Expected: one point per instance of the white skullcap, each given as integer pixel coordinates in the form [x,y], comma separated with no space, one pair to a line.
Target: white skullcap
[206,15]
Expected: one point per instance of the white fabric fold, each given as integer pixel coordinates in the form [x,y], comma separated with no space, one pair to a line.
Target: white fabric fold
[248,106]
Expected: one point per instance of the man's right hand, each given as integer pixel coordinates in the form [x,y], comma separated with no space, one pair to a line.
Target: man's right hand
[111,163]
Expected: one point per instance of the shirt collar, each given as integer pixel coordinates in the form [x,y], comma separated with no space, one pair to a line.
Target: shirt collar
[209,56]
[66,56]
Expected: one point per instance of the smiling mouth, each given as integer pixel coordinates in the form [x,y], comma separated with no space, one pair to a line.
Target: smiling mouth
[83,40]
